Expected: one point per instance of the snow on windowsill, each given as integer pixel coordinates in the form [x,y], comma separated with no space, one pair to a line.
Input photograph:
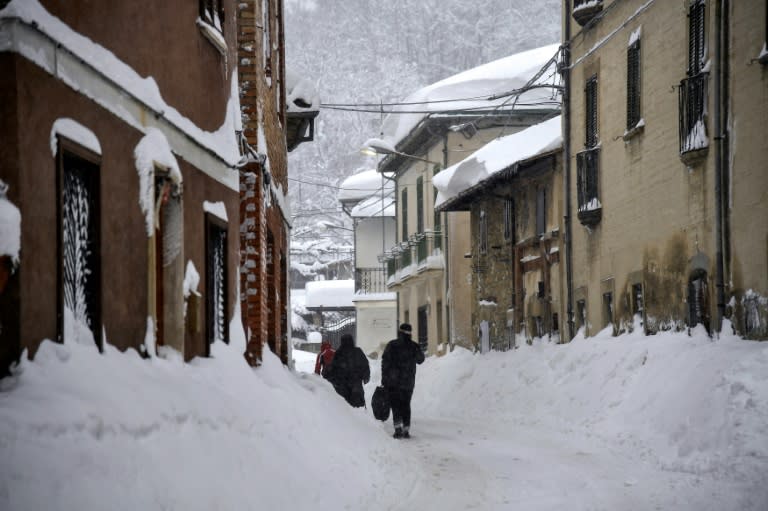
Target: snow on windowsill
[763,57]
[635,130]
[592,205]
[76,132]
[216,209]
[213,35]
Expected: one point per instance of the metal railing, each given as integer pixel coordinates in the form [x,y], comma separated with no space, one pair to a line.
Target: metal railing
[419,246]
[587,191]
[370,280]
[693,103]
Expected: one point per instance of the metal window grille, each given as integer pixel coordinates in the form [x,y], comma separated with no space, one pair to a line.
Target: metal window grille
[587,168]
[633,85]
[212,12]
[216,282]
[591,128]
[692,105]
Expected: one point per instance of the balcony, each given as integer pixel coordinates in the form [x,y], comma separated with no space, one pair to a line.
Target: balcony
[370,280]
[585,10]
[587,179]
[415,255]
[693,128]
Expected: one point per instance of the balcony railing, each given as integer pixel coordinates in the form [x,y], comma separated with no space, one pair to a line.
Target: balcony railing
[587,178]
[420,246]
[370,280]
[693,104]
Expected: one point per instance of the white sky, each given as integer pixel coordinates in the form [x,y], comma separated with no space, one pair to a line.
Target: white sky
[661,422]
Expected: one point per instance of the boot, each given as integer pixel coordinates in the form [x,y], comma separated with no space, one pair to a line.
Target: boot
[398,432]
[406,434]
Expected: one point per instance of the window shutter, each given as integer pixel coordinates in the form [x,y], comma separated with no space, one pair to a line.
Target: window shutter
[633,85]
[404,216]
[508,219]
[541,211]
[420,204]
[591,112]
[483,233]
[696,37]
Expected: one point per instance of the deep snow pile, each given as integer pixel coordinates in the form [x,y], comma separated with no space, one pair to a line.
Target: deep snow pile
[80,430]
[682,403]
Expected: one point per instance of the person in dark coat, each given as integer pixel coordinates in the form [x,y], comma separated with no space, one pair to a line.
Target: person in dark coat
[398,376]
[349,371]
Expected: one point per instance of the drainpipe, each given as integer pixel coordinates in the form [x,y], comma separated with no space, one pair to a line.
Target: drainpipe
[566,113]
[720,8]
[449,295]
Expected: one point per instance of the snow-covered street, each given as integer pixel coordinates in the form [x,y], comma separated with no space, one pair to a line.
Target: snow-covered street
[662,422]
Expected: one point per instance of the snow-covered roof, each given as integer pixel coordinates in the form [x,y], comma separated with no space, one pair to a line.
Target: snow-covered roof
[375,207]
[330,293]
[473,87]
[362,185]
[302,94]
[364,189]
[497,155]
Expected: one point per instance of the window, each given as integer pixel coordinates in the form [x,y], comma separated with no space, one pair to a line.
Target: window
[541,211]
[266,42]
[693,88]
[212,12]
[420,204]
[437,225]
[509,220]
[404,215]
[483,231]
[216,280]
[637,299]
[698,308]
[607,309]
[587,176]
[696,39]
[590,104]
[633,84]
[581,314]
[79,248]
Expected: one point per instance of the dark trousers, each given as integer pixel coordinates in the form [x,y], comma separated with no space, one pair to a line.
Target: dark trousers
[400,399]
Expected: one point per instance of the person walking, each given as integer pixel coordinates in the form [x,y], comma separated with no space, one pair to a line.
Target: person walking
[398,376]
[324,358]
[349,371]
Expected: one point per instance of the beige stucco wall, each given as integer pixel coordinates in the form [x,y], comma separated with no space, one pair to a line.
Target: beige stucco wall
[656,211]
[749,162]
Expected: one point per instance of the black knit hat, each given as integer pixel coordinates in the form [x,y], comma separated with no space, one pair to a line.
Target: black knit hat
[406,328]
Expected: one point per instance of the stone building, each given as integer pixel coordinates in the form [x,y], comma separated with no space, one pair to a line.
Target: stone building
[665,161]
[513,191]
[428,268]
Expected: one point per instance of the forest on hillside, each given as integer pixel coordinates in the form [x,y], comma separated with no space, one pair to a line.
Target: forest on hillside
[366,52]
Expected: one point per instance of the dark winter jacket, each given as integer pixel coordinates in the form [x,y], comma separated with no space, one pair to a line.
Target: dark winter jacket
[349,371]
[398,364]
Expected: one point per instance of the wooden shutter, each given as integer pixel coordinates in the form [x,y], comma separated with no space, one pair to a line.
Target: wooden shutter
[404,215]
[696,37]
[420,204]
[590,96]
[633,84]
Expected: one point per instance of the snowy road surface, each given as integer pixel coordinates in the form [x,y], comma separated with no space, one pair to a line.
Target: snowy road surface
[472,465]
